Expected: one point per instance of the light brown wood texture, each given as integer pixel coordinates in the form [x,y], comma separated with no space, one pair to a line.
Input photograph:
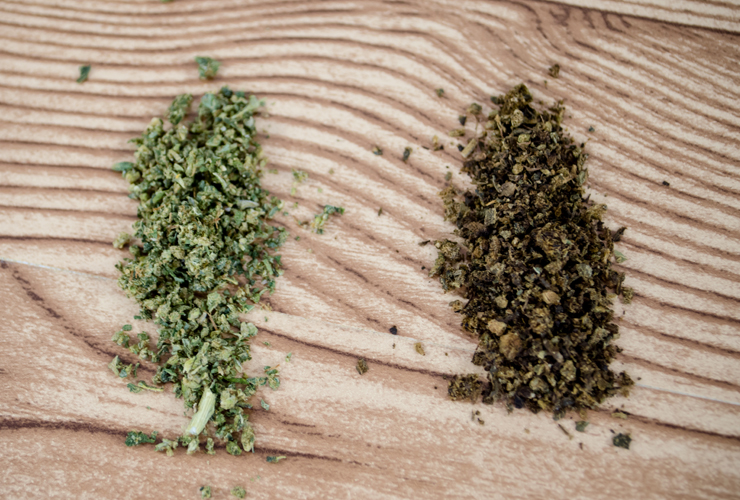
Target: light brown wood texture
[661,91]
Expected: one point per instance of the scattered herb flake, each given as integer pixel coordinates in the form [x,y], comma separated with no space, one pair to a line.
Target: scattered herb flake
[440,92]
[406,154]
[239,492]
[581,425]
[622,441]
[464,387]
[317,224]
[420,348]
[554,70]
[565,431]
[207,68]
[377,151]
[264,405]
[362,366]
[122,240]
[205,492]
[274,460]
[135,438]
[84,73]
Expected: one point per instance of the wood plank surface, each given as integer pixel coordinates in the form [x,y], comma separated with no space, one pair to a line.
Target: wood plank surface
[659,87]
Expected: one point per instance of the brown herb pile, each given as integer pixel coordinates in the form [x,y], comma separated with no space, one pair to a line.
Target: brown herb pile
[534,265]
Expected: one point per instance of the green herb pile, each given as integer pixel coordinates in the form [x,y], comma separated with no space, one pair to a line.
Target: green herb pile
[534,265]
[202,254]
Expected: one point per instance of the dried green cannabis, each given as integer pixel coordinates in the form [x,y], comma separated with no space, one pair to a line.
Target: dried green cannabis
[207,67]
[202,254]
[84,73]
[239,492]
[622,441]
[534,264]
[464,387]
[362,366]
[554,70]
[319,220]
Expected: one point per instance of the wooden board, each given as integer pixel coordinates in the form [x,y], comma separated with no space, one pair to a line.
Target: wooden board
[661,91]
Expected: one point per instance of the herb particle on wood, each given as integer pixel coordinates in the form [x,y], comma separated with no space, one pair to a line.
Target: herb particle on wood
[622,441]
[362,367]
[207,67]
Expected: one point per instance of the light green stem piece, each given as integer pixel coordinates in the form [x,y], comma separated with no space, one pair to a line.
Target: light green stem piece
[203,415]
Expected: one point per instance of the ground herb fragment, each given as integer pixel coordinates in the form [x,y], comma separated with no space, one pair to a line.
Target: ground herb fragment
[554,70]
[622,441]
[362,366]
[207,67]
[440,92]
[533,265]
[135,438]
[406,154]
[204,255]
[319,220]
[464,387]
[205,492]
[239,492]
[377,151]
[274,460]
[581,425]
[420,348]
[84,73]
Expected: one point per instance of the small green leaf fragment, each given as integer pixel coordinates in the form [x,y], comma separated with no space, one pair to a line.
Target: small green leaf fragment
[362,366]
[239,492]
[319,220]
[440,92]
[288,357]
[619,256]
[205,492]
[274,459]
[248,438]
[179,108]
[168,446]
[264,405]
[233,449]
[377,151]
[406,154]
[207,67]
[84,73]
[135,438]
[581,425]
[622,441]
[420,348]
[123,166]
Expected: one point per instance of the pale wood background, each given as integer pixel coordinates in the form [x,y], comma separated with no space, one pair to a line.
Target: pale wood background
[658,81]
